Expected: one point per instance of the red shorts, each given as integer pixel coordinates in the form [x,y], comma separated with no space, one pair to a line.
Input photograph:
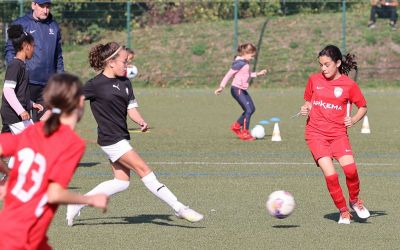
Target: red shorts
[333,148]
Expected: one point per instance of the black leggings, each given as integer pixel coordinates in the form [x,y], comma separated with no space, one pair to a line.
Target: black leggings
[245,101]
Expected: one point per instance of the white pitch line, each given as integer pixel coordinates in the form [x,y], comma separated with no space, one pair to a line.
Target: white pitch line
[251,163]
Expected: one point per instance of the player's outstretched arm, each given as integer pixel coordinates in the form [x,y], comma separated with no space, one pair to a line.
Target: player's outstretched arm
[262,72]
[218,90]
[58,195]
[136,117]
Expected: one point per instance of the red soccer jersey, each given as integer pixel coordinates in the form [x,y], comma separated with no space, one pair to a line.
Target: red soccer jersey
[38,161]
[329,100]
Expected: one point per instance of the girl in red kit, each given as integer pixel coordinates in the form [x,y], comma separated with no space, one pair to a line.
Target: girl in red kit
[329,96]
[45,156]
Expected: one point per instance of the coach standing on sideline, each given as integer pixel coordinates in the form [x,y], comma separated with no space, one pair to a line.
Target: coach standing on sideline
[47,58]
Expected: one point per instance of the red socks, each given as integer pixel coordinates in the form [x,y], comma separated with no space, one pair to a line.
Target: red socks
[352,181]
[332,182]
[353,185]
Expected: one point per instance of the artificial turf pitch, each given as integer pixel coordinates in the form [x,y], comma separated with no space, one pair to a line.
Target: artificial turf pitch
[193,152]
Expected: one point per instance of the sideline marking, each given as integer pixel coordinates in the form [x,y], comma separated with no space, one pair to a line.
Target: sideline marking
[236,174]
[251,163]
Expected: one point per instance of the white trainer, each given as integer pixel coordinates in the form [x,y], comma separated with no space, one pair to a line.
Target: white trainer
[344,218]
[189,214]
[72,211]
[360,209]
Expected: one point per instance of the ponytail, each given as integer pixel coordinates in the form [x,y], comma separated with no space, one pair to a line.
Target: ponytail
[52,124]
[18,36]
[348,63]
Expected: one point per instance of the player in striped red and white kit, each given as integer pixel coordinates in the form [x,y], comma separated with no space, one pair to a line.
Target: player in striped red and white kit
[329,96]
[45,156]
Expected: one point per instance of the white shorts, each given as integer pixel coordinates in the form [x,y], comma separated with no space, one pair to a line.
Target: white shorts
[115,151]
[18,127]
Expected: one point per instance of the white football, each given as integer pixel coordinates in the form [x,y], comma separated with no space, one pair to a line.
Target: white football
[131,71]
[258,132]
[280,204]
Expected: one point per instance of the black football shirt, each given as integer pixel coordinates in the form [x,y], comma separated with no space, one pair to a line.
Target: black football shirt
[109,100]
[17,78]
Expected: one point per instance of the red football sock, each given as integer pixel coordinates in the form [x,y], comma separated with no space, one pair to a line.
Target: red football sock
[332,182]
[352,181]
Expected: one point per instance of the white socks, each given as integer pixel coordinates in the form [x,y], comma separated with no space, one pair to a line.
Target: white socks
[161,191]
[150,181]
[110,187]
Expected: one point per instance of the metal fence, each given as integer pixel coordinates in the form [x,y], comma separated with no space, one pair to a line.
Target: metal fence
[177,45]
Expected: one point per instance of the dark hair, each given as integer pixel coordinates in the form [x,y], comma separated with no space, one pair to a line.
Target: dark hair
[63,91]
[18,36]
[246,48]
[100,53]
[130,51]
[348,62]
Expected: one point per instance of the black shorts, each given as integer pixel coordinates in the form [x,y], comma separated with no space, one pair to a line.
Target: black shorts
[5,129]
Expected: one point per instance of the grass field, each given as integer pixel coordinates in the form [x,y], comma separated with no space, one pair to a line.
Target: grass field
[193,152]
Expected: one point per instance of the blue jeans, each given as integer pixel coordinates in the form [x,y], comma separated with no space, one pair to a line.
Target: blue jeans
[245,101]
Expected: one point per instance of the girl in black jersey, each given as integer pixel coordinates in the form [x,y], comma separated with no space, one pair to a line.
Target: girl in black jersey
[112,100]
[16,102]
